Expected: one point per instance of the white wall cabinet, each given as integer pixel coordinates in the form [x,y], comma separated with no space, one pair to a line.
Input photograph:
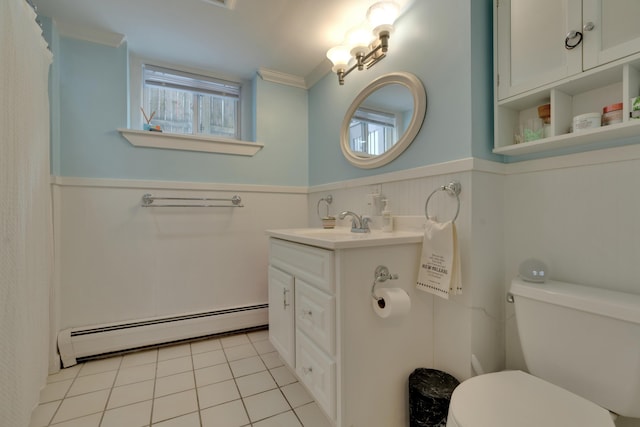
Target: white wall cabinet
[534,68]
[615,31]
[354,363]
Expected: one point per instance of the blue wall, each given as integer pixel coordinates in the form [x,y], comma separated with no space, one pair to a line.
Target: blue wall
[94,102]
[448,45]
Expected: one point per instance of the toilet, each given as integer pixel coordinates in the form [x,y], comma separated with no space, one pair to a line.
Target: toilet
[582,349]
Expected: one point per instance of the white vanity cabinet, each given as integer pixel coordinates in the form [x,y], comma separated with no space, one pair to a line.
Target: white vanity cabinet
[302,315]
[354,363]
[533,68]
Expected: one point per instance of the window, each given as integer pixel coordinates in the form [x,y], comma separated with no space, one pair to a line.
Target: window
[186,103]
[371,132]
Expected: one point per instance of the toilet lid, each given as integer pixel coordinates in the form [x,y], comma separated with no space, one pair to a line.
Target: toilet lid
[514,398]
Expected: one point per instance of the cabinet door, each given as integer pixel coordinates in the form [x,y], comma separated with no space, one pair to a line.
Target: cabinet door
[281,314]
[615,33]
[531,43]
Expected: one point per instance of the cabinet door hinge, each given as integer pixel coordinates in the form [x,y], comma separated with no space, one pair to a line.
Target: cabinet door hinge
[498,80]
[497,3]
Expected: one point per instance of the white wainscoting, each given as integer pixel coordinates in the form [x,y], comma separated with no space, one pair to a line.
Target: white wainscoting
[118,261]
[471,323]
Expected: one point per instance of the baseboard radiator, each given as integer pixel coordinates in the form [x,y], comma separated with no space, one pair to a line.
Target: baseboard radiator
[84,343]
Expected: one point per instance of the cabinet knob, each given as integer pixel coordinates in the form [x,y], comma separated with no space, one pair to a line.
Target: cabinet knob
[306,313]
[571,35]
[307,371]
[589,26]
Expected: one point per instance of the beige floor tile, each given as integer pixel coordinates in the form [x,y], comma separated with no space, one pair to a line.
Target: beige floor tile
[241,351]
[174,366]
[258,335]
[136,415]
[42,414]
[65,374]
[174,405]
[174,383]
[55,391]
[234,340]
[79,406]
[283,376]
[263,347]
[99,366]
[213,374]
[296,394]
[311,416]
[210,358]
[136,374]
[174,351]
[230,414]
[88,421]
[189,420]
[287,419]
[205,346]
[131,393]
[255,383]
[215,394]
[272,360]
[139,358]
[94,382]
[265,405]
[247,366]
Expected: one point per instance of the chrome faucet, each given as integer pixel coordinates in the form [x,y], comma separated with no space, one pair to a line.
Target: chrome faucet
[359,224]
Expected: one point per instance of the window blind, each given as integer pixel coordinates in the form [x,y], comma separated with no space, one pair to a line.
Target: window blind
[158,76]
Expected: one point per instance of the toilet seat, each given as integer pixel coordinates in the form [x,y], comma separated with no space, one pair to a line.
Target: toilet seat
[515,398]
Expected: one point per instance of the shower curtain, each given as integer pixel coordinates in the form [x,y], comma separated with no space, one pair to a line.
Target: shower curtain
[25,212]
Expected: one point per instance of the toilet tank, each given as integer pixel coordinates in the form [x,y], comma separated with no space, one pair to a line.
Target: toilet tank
[583,339]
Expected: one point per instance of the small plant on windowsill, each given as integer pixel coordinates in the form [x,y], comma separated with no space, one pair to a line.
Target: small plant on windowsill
[148,126]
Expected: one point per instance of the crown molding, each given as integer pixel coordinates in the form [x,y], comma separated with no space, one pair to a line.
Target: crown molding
[91,35]
[282,78]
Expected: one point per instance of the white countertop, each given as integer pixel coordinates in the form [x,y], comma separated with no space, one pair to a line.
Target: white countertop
[343,238]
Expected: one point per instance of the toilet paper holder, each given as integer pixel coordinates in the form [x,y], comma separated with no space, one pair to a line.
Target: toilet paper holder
[381,275]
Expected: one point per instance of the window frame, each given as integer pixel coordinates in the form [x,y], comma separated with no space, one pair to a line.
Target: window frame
[198,86]
[245,146]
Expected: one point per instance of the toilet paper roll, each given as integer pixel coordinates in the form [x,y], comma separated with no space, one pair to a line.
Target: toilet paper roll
[394,302]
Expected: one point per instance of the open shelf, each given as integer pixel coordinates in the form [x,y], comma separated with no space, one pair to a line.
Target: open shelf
[605,133]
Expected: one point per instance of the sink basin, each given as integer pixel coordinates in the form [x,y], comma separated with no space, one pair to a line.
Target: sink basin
[343,238]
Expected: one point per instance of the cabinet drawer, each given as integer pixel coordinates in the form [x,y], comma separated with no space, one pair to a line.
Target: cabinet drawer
[313,265]
[317,372]
[315,315]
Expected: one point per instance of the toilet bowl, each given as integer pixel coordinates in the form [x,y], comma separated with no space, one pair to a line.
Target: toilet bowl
[518,399]
[581,345]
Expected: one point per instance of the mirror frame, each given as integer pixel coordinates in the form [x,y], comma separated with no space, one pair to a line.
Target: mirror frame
[417,90]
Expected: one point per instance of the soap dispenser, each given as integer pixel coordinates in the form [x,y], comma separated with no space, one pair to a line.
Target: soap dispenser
[387,219]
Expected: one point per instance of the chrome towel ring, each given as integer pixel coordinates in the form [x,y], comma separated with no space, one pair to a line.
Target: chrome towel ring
[453,188]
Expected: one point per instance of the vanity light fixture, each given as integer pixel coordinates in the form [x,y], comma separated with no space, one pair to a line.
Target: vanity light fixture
[367,43]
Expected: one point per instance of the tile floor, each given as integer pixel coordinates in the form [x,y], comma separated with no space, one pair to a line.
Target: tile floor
[232,381]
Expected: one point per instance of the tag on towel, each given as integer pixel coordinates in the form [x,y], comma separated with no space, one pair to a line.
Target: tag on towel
[439,271]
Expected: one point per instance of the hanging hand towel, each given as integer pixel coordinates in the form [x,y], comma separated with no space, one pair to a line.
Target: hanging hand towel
[439,271]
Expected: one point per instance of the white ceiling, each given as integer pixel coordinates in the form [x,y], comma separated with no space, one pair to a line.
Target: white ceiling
[287,36]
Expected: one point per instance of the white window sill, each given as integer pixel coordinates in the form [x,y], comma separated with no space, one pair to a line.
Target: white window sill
[174,141]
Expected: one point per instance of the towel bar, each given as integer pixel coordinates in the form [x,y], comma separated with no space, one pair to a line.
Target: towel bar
[148,199]
[453,188]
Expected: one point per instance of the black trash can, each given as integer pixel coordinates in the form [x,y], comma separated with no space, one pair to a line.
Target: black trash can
[429,396]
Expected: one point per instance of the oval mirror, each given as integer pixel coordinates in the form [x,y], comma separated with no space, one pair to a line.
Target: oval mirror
[383,120]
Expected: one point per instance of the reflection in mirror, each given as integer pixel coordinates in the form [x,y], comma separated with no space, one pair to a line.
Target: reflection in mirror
[383,120]
[380,120]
